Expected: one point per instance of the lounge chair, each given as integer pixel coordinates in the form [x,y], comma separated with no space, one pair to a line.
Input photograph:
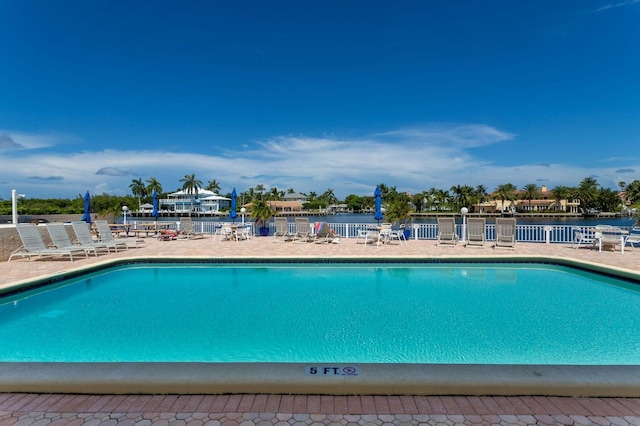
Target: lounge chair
[580,237]
[476,232]
[324,234]
[505,233]
[634,237]
[105,236]
[447,231]
[282,232]
[303,230]
[187,230]
[33,245]
[60,238]
[83,235]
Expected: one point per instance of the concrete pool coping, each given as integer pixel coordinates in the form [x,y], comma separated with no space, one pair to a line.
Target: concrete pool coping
[282,378]
[381,379]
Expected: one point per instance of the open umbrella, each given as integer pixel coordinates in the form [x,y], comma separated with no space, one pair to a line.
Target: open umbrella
[378,214]
[87,208]
[233,214]
[154,197]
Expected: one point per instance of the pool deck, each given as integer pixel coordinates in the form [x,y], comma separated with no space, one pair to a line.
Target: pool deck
[281,408]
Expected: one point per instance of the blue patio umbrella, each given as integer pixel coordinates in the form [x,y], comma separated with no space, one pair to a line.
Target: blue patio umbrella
[378,214]
[154,197]
[87,208]
[233,214]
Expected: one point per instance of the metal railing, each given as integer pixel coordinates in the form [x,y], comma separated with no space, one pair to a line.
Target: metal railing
[429,231]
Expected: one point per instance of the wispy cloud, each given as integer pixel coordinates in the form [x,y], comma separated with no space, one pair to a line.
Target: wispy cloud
[7,143]
[53,178]
[414,159]
[114,171]
[12,140]
[619,4]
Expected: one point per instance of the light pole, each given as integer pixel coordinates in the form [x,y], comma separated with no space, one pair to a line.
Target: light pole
[125,209]
[14,205]
[464,212]
[242,212]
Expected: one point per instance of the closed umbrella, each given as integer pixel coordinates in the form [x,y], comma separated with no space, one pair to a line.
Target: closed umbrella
[154,197]
[378,214]
[233,214]
[87,208]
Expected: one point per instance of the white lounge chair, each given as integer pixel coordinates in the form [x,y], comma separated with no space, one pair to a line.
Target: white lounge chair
[505,233]
[33,245]
[580,237]
[324,234]
[303,230]
[83,235]
[447,231]
[105,236]
[282,232]
[634,237]
[187,229]
[476,232]
[60,238]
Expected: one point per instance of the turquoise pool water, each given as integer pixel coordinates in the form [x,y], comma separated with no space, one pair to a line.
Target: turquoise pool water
[311,313]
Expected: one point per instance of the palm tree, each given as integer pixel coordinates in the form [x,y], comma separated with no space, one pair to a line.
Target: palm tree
[190,185]
[561,193]
[587,192]
[505,192]
[529,192]
[214,186]
[259,189]
[138,189]
[275,194]
[153,185]
[632,191]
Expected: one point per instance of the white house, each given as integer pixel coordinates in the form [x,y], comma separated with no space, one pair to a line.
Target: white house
[205,202]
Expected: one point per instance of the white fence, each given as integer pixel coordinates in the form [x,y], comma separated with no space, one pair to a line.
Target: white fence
[524,233]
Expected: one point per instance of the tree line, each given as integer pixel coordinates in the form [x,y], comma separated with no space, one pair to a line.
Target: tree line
[398,204]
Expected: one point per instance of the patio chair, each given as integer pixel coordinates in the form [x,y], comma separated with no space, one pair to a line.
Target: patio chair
[367,234]
[580,237]
[282,232]
[447,231]
[33,245]
[187,230]
[303,230]
[60,238]
[384,234]
[397,234]
[225,232]
[505,233]
[242,232]
[476,232]
[83,235]
[105,236]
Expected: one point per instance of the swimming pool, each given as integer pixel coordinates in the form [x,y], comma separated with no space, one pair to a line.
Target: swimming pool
[372,313]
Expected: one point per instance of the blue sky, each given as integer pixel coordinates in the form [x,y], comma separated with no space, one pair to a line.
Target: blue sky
[314,95]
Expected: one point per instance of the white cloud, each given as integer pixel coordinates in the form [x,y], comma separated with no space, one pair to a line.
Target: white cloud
[413,159]
[619,4]
[12,140]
